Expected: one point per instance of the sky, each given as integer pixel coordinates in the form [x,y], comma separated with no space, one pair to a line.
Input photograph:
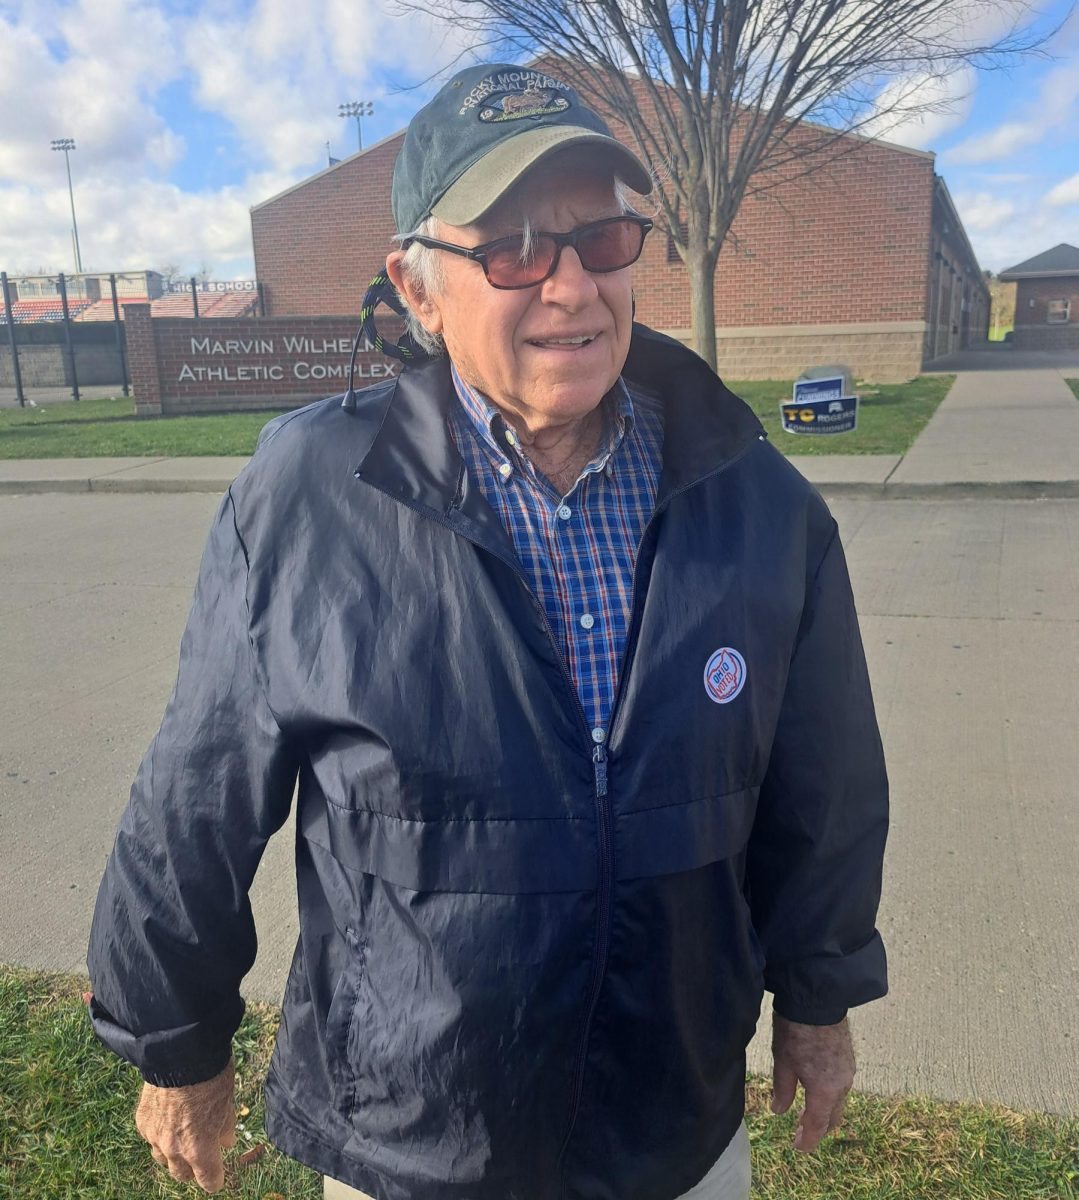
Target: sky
[185,113]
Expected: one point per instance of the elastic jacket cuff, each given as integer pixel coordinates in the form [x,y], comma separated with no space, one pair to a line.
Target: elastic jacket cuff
[191,1073]
[807,1014]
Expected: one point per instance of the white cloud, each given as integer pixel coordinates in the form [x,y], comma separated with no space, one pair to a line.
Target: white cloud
[1034,120]
[983,211]
[165,225]
[940,103]
[273,71]
[1066,192]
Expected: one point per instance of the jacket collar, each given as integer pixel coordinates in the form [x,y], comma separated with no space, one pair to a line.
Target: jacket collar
[705,426]
[413,458]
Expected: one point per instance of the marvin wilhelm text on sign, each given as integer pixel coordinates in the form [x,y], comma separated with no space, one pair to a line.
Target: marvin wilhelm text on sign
[301,369]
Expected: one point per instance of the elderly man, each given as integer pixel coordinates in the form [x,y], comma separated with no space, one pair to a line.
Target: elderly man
[560,657]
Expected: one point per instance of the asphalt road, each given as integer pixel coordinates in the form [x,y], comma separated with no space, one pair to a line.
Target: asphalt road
[971,625]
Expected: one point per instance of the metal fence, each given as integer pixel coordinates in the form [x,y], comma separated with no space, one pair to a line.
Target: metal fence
[66,334]
[49,349]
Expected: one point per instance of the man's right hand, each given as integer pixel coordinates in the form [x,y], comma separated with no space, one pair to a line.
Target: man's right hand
[187,1127]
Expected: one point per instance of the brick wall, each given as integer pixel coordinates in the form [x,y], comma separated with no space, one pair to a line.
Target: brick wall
[318,245]
[183,366]
[1032,329]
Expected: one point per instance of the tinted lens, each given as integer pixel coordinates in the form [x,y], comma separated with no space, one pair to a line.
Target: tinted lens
[509,265]
[610,246]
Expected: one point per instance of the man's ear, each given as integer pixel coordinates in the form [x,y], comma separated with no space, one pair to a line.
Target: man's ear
[423,305]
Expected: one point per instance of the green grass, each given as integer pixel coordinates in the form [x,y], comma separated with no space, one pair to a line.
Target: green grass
[109,428]
[913,1148]
[890,415]
[1074,385]
[66,1105]
[890,418]
[66,1131]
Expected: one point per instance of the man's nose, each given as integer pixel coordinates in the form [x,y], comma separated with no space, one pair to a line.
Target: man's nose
[570,285]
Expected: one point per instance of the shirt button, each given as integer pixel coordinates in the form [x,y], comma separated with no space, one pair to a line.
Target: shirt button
[511,437]
[505,470]
[565,512]
[587,621]
[599,736]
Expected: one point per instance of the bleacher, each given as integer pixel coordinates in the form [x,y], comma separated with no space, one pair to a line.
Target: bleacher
[43,310]
[211,304]
[101,310]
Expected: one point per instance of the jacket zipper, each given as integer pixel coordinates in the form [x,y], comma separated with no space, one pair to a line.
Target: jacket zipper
[605,852]
[605,883]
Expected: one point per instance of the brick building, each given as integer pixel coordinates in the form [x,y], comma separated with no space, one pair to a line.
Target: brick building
[863,262]
[1047,300]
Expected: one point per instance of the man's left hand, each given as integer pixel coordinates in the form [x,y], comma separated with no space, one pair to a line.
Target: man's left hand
[821,1058]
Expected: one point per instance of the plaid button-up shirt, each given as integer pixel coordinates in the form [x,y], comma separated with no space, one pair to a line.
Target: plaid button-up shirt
[577,551]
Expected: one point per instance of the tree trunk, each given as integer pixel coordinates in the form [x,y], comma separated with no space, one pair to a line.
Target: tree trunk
[702,304]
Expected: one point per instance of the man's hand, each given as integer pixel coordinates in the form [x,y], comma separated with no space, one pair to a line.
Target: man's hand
[821,1058]
[187,1126]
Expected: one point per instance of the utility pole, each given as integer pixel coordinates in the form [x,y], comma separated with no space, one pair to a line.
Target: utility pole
[358,109]
[67,145]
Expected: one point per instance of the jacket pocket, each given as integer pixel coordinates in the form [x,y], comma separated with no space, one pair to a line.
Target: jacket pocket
[341,1022]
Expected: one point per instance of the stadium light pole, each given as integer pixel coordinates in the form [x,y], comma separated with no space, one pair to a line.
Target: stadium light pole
[358,109]
[67,145]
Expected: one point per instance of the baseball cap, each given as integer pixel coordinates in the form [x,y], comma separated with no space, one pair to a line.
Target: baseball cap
[486,127]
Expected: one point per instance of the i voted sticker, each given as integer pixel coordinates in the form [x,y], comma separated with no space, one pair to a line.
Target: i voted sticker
[725,675]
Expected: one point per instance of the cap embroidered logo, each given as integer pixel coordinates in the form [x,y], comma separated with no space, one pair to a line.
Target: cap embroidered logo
[515,106]
[724,675]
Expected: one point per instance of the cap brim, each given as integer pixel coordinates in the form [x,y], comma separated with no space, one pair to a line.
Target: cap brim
[488,180]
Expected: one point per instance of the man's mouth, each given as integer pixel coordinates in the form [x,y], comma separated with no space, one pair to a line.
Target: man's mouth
[564,343]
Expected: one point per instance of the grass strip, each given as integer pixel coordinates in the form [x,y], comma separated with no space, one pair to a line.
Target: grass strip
[67,1132]
[891,416]
[1074,385]
[109,429]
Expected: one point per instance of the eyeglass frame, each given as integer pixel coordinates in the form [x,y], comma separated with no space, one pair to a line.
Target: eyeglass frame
[479,253]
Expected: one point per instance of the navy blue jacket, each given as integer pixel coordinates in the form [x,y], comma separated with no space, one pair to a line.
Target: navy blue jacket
[527,968]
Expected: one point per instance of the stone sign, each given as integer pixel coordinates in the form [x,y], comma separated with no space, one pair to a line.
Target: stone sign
[180,365]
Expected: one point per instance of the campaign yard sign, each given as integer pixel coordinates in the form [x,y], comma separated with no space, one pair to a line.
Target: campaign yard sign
[820,406]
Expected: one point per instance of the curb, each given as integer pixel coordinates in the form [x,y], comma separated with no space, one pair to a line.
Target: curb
[1062,489]
[12,487]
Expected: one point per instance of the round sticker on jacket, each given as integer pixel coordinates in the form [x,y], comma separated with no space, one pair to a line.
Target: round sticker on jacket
[725,675]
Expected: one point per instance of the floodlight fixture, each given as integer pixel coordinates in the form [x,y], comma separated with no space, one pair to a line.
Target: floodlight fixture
[358,109]
[67,145]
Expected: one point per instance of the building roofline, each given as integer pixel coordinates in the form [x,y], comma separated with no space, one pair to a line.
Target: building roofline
[1009,276]
[326,170]
[946,196]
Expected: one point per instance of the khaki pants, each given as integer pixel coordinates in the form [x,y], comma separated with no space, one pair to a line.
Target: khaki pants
[727,1180]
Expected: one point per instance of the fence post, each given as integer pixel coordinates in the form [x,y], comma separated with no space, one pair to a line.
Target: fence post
[10,314]
[119,333]
[70,343]
[194,298]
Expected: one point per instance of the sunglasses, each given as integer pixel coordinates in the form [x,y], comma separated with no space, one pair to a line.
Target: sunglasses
[602,246]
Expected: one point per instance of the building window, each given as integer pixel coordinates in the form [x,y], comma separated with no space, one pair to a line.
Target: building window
[1059,312]
[672,250]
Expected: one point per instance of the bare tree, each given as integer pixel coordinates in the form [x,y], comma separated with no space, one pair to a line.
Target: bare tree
[731,98]
[169,273]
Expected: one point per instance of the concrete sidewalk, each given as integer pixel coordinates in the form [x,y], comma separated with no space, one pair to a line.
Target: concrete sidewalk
[997,435]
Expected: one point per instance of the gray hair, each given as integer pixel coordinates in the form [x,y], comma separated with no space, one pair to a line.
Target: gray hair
[422,266]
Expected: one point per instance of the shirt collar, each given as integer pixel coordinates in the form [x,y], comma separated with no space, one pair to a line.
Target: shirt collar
[496,435]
